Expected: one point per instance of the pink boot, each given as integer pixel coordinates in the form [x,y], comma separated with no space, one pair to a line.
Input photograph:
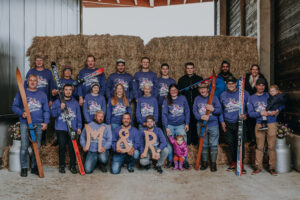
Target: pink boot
[180,166]
[176,165]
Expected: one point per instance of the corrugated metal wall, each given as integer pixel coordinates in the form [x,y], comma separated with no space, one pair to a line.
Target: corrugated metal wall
[251,18]
[20,21]
[234,18]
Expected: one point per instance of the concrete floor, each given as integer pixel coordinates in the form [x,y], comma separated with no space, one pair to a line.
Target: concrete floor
[187,185]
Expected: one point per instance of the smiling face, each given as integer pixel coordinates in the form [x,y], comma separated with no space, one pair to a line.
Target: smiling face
[273,91]
[225,68]
[68,91]
[189,69]
[99,117]
[254,71]
[179,140]
[126,120]
[32,82]
[173,92]
[165,70]
[231,86]
[39,62]
[203,91]
[150,123]
[95,90]
[90,62]
[120,67]
[147,90]
[145,63]
[67,73]
[260,88]
[119,90]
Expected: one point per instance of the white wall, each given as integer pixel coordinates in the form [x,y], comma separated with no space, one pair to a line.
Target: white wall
[180,20]
[20,21]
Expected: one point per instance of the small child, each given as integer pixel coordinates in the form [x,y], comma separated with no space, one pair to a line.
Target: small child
[180,151]
[275,101]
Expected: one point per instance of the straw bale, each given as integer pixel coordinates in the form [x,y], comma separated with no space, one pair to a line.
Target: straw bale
[5,156]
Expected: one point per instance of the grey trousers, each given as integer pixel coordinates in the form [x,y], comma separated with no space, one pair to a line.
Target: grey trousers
[163,156]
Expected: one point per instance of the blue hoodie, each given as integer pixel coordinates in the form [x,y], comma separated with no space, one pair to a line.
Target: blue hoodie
[115,113]
[199,109]
[256,104]
[161,141]
[163,88]
[140,79]
[37,104]
[74,113]
[106,140]
[85,87]
[146,106]
[230,105]
[45,81]
[134,138]
[125,79]
[91,105]
[176,114]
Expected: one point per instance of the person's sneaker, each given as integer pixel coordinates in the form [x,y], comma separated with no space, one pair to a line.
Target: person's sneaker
[130,170]
[73,169]
[159,169]
[147,167]
[169,164]
[243,170]
[186,165]
[62,169]
[256,171]
[103,168]
[273,172]
[34,170]
[24,172]
[213,167]
[204,165]
[231,167]
[263,127]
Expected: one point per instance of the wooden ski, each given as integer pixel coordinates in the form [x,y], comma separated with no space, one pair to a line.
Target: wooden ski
[203,129]
[32,136]
[71,132]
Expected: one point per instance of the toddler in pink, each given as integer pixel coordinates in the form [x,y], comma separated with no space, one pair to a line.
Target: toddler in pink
[180,151]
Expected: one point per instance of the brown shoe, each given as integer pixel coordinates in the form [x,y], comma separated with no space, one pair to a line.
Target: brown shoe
[256,171]
[273,172]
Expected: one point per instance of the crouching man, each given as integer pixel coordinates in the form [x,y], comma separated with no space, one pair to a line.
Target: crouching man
[126,144]
[96,139]
[155,145]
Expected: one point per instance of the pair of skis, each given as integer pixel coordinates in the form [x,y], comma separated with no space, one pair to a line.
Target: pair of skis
[195,85]
[203,129]
[71,131]
[86,78]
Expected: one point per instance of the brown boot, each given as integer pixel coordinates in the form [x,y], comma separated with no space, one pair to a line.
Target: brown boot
[256,171]
[273,172]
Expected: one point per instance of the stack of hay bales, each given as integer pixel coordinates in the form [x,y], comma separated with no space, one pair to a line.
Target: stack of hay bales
[205,52]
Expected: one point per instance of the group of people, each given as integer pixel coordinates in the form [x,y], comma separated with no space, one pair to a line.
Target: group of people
[166,116]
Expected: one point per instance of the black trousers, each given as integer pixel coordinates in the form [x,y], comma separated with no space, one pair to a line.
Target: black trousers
[192,136]
[251,122]
[231,138]
[63,140]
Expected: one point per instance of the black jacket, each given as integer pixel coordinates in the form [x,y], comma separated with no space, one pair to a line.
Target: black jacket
[251,90]
[186,81]
[274,102]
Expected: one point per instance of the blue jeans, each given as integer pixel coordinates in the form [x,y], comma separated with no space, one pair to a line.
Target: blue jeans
[113,126]
[119,158]
[211,140]
[175,130]
[25,144]
[92,158]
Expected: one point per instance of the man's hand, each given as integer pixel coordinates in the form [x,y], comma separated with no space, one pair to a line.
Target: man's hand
[102,150]
[205,117]
[223,126]
[157,156]
[24,115]
[264,113]
[84,149]
[118,150]
[210,108]
[79,131]
[131,151]
[169,133]
[44,126]
[186,128]
[244,117]
[54,92]
[50,104]
[62,106]
[80,101]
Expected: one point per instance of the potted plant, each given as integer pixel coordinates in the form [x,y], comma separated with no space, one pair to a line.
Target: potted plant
[14,152]
[283,152]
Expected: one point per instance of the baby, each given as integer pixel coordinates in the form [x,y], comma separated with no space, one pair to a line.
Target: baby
[180,151]
[275,101]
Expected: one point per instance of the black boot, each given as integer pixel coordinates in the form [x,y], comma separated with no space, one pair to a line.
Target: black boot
[159,169]
[204,165]
[147,167]
[34,170]
[73,169]
[186,165]
[169,164]
[62,169]
[103,168]
[24,172]
[213,167]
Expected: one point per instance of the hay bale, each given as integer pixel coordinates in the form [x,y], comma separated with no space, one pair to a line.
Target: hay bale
[205,52]
[5,157]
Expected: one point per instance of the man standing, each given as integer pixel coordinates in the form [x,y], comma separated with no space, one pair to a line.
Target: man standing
[39,111]
[160,146]
[132,142]
[61,127]
[188,79]
[45,79]
[222,77]
[229,119]
[256,105]
[142,77]
[120,77]
[96,140]
[84,88]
